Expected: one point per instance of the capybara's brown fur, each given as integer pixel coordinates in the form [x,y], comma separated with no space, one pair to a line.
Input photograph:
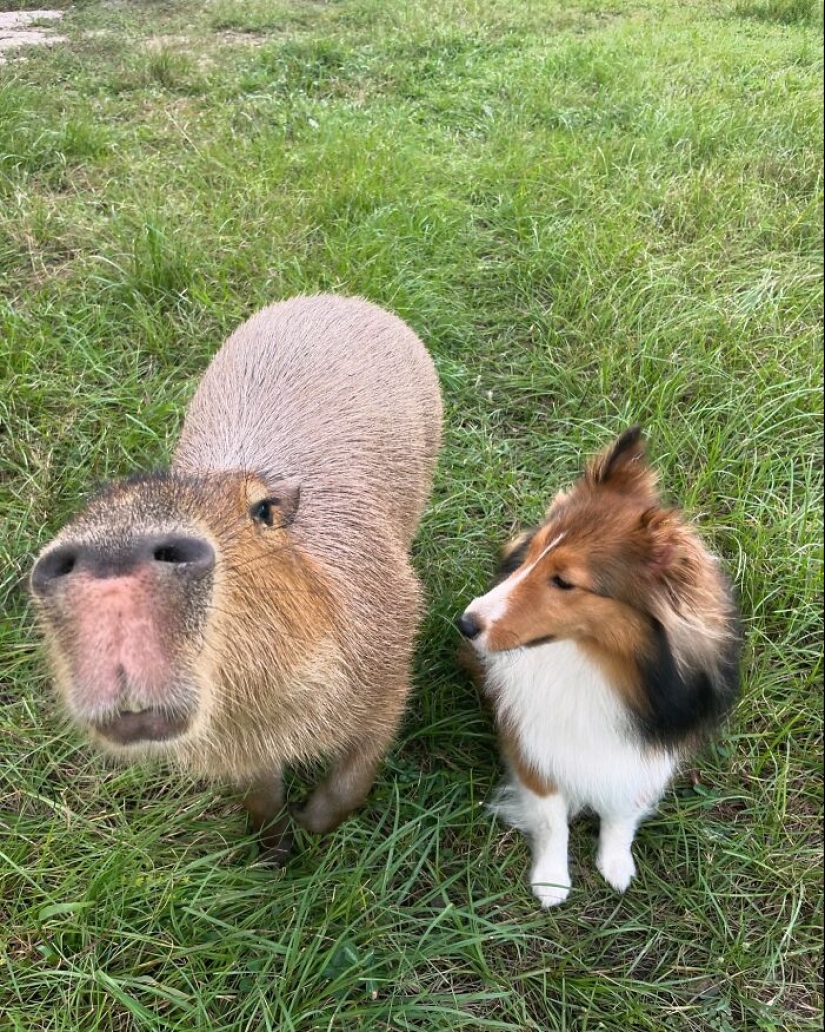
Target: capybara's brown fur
[255,606]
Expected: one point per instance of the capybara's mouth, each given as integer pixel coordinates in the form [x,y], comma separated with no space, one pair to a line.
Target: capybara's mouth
[148,725]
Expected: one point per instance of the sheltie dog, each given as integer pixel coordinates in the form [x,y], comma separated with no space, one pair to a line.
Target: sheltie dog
[609,648]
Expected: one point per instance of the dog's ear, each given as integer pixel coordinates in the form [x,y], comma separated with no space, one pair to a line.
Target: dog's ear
[513,553]
[558,500]
[623,468]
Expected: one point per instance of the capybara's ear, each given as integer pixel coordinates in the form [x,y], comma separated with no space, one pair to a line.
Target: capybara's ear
[287,494]
[623,467]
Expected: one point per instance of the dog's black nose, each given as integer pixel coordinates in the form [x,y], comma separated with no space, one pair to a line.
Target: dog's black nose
[468,626]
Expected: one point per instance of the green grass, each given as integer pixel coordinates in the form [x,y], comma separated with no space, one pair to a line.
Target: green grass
[593,214]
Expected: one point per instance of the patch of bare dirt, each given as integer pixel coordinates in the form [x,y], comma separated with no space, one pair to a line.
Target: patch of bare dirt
[26,29]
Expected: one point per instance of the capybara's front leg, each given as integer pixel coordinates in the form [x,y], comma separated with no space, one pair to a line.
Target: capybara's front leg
[353,772]
[264,802]
[344,790]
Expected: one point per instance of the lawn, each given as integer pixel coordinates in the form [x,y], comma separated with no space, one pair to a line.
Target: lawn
[594,212]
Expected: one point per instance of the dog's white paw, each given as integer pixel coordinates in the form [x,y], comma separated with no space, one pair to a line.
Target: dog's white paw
[550,884]
[617,868]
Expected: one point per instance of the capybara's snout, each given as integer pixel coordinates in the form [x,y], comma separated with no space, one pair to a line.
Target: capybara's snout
[187,556]
[125,610]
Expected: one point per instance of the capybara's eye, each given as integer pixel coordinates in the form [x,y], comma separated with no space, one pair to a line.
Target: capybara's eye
[560,582]
[263,511]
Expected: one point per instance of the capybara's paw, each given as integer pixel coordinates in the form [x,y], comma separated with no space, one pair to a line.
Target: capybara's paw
[318,815]
[275,843]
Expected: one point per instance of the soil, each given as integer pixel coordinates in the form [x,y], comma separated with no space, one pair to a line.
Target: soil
[25,29]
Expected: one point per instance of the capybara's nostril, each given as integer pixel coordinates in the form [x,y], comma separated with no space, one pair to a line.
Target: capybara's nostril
[194,554]
[53,567]
[468,626]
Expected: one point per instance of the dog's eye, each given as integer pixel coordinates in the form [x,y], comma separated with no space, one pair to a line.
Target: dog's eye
[263,511]
[560,582]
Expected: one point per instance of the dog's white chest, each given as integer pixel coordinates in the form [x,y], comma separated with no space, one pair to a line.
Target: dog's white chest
[573,728]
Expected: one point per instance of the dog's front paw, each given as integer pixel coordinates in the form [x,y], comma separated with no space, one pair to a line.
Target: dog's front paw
[617,868]
[550,884]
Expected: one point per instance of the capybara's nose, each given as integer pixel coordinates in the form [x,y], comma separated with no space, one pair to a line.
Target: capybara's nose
[190,556]
[194,555]
[468,626]
[53,566]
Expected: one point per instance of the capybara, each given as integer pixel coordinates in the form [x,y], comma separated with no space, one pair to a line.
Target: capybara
[254,606]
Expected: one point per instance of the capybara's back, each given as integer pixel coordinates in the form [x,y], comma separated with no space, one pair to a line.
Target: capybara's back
[335,392]
[254,605]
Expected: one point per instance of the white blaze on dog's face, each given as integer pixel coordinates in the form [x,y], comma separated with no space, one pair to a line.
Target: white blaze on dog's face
[586,573]
[550,596]
[493,612]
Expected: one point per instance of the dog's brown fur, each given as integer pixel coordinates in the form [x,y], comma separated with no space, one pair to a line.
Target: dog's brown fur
[607,567]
